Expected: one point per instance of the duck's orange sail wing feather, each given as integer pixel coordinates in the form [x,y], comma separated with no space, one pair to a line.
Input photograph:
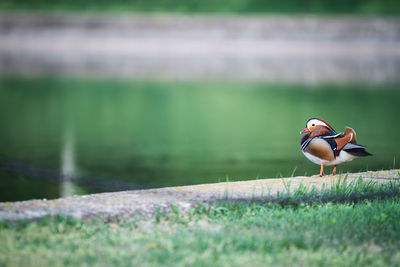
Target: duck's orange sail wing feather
[349,136]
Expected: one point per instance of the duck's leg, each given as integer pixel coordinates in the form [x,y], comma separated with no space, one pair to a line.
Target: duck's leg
[321,173]
[334,170]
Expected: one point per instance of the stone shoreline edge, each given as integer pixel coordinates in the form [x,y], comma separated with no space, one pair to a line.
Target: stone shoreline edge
[124,205]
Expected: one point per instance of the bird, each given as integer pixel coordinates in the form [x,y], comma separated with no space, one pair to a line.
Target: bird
[323,146]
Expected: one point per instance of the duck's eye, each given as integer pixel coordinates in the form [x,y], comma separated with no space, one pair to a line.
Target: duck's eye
[313,124]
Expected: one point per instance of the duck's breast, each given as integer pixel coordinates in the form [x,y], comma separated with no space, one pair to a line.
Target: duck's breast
[319,151]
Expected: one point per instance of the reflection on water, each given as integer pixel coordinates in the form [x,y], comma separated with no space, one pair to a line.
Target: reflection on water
[104,135]
[68,164]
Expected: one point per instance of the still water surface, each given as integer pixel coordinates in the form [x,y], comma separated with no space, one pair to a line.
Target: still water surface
[112,134]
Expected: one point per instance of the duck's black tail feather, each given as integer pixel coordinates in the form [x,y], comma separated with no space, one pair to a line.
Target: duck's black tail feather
[356,150]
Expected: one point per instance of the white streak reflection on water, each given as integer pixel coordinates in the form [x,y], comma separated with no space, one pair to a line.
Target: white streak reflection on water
[68,168]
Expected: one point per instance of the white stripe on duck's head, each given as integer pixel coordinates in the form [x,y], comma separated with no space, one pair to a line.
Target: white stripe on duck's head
[314,122]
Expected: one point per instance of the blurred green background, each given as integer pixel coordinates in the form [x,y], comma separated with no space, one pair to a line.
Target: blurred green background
[153,134]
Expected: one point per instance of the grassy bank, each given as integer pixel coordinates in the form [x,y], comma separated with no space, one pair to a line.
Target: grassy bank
[351,231]
[208,6]
[366,233]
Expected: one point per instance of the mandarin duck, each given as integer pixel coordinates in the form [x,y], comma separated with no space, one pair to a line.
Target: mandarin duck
[323,146]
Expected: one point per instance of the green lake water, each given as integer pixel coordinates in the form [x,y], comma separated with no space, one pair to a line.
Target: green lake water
[111,134]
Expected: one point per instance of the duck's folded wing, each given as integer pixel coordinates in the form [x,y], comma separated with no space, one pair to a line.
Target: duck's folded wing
[352,146]
[356,150]
[343,141]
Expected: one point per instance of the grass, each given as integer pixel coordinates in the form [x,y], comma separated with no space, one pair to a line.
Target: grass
[342,190]
[209,6]
[307,231]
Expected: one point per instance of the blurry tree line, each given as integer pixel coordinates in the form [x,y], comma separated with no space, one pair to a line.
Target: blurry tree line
[373,7]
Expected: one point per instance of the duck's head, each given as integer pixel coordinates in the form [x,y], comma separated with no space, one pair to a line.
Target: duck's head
[314,123]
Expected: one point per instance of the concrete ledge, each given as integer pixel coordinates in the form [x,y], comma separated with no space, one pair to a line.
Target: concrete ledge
[127,204]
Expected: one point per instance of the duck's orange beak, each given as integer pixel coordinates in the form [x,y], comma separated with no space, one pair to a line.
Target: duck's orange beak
[305,131]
